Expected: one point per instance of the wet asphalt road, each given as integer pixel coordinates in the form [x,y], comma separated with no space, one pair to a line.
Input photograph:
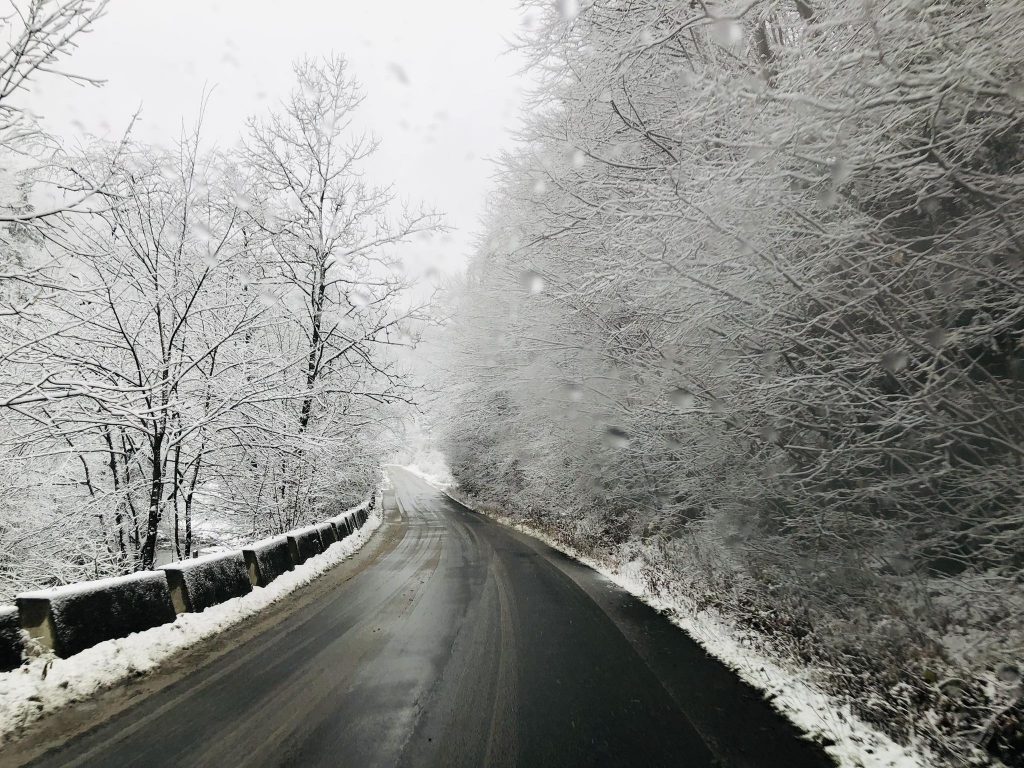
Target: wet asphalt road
[458,643]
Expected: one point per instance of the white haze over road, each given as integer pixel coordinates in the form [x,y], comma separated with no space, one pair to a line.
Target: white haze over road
[442,89]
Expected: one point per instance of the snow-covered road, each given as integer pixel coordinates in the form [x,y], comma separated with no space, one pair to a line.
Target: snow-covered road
[449,640]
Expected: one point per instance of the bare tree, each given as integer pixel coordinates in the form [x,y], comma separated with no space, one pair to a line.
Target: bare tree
[38,35]
[330,232]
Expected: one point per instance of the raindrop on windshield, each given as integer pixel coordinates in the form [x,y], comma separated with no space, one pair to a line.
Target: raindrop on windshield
[727,32]
[532,282]
[827,197]
[1008,673]
[398,72]
[201,230]
[681,397]
[936,337]
[895,360]
[568,9]
[616,437]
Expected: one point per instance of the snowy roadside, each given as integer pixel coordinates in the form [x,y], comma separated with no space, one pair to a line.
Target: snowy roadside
[792,692]
[47,684]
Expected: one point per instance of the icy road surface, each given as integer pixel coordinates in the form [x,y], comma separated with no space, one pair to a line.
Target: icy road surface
[449,640]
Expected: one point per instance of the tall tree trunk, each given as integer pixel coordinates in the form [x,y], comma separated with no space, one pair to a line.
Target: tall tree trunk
[156,492]
[189,497]
[317,297]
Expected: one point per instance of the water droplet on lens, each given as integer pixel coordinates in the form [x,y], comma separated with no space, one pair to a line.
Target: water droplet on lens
[617,438]
[169,171]
[840,171]
[398,72]
[568,9]
[936,337]
[201,231]
[895,361]
[1008,673]
[683,398]
[827,197]
[532,282]
[727,32]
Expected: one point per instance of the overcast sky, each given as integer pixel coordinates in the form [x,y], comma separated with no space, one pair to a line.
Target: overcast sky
[442,91]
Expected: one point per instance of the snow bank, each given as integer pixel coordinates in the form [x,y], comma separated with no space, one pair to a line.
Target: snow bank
[12,641]
[853,743]
[202,582]
[72,618]
[47,684]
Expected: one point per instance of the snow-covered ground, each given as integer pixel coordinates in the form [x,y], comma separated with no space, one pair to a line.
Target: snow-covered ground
[853,743]
[47,683]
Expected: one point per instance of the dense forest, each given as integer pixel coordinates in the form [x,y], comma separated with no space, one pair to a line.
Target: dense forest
[748,310]
[190,340]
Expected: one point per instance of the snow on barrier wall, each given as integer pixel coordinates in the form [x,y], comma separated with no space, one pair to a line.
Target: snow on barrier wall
[202,582]
[304,543]
[342,526]
[72,618]
[12,642]
[75,617]
[328,535]
[266,560]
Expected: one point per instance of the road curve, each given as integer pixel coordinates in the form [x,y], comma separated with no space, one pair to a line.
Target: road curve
[449,640]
